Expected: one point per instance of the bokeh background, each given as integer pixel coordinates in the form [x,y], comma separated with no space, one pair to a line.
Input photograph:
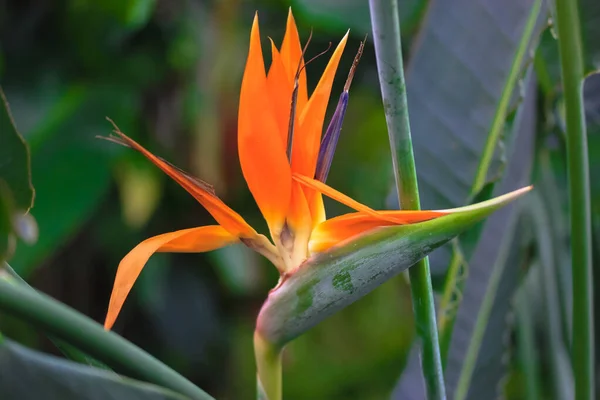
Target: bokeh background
[168,72]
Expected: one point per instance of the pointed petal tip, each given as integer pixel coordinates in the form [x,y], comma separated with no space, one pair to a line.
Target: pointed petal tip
[493,203]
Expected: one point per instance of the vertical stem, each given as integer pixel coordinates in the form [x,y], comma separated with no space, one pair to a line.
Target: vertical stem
[571,61]
[268,366]
[388,50]
[526,347]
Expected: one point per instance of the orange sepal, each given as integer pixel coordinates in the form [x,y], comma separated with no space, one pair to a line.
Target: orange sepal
[342,198]
[280,91]
[202,191]
[261,150]
[194,240]
[307,137]
[338,229]
[291,53]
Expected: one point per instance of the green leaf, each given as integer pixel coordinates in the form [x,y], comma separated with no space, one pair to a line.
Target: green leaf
[528,353]
[483,282]
[14,160]
[453,95]
[67,324]
[470,287]
[66,155]
[330,281]
[549,245]
[7,237]
[341,15]
[69,351]
[26,374]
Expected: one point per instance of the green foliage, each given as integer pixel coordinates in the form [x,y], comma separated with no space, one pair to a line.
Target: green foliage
[14,169]
[16,191]
[168,73]
[29,374]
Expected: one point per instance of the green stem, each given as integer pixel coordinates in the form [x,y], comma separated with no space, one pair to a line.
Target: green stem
[67,324]
[526,347]
[68,351]
[388,50]
[499,120]
[572,71]
[268,365]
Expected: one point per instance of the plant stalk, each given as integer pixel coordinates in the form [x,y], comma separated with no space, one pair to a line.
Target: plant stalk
[388,50]
[74,328]
[268,365]
[572,72]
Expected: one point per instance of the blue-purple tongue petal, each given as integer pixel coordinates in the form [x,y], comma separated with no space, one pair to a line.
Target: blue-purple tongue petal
[330,139]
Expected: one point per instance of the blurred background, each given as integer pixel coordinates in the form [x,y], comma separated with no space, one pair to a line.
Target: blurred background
[168,73]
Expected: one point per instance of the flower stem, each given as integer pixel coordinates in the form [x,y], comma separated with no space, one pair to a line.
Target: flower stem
[388,50]
[572,71]
[268,365]
[74,328]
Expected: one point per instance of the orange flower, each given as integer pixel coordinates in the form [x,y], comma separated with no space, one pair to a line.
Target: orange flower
[281,181]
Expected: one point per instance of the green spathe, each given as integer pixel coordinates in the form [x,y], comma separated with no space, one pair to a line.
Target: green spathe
[330,281]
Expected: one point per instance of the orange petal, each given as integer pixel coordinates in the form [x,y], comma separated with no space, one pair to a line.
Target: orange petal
[338,229]
[307,137]
[201,191]
[192,240]
[342,198]
[280,91]
[291,53]
[261,150]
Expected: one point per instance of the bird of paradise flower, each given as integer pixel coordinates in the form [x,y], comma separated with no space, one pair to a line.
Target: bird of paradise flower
[285,161]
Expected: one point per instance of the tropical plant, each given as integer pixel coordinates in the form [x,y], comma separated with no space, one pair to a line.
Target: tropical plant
[494,99]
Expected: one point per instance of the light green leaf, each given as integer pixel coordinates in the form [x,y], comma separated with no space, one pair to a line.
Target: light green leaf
[14,160]
[330,281]
[26,374]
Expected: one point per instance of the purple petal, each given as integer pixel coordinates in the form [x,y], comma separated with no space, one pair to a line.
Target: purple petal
[330,139]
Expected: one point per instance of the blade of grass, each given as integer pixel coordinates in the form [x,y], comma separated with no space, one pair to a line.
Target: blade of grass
[74,328]
[572,73]
[388,51]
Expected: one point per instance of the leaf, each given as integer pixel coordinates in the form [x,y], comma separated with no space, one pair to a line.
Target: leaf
[483,282]
[328,282]
[341,15]
[66,155]
[549,245]
[14,159]
[26,374]
[69,351]
[7,237]
[479,277]
[16,190]
[589,14]
[453,93]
